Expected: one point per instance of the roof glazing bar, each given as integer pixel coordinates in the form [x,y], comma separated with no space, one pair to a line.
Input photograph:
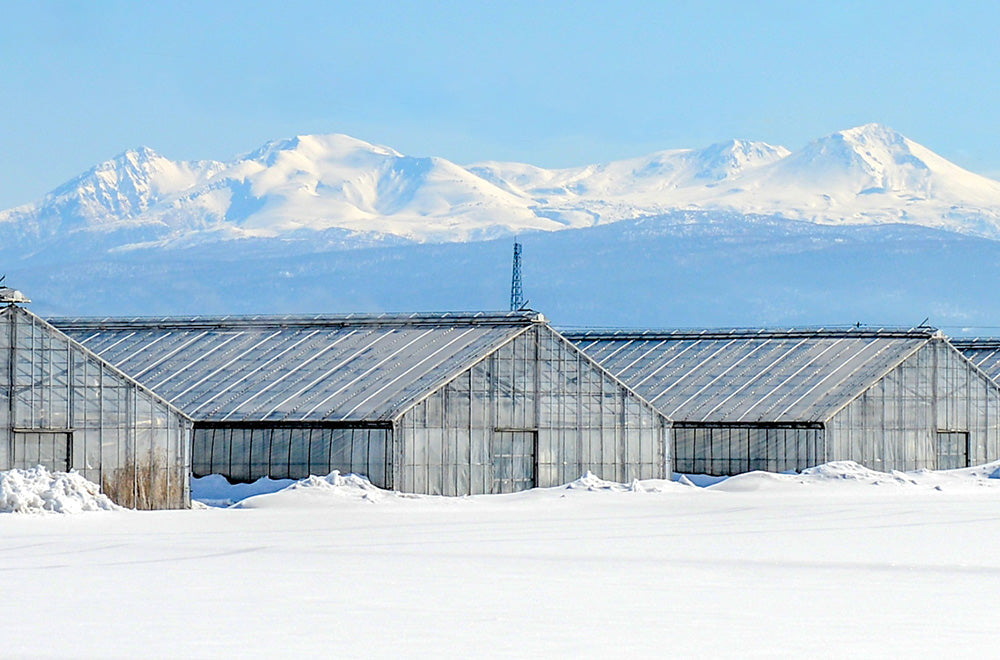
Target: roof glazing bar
[394,380]
[238,357]
[721,375]
[751,381]
[833,372]
[392,354]
[665,364]
[178,371]
[296,368]
[692,370]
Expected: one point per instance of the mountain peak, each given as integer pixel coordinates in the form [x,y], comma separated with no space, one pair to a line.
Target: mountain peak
[137,153]
[872,130]
[725,159]
[870,136]
[328,146]
[860,160]
[335,182]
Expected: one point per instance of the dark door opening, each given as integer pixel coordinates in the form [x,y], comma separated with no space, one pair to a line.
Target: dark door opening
[50,449]
[513,461]
[952,450]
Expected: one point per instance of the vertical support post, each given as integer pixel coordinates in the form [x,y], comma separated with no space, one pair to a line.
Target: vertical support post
[12,377]
[538,405]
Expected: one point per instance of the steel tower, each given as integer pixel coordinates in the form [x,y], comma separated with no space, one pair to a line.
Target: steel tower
[516,294]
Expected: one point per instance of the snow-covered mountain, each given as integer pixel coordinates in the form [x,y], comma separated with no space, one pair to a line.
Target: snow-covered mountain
[285,189]
[335,191]
[862,225]
[117,191]
[865,175]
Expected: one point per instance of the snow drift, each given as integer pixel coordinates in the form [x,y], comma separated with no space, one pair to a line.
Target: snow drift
[39,491]
[215,489]
[334,488]
[843,477]
[849,476]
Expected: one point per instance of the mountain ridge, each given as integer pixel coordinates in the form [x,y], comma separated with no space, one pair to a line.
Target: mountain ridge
[362,194]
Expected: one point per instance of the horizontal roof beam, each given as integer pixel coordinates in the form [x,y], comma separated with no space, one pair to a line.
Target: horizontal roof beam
[748,333]
[298,321]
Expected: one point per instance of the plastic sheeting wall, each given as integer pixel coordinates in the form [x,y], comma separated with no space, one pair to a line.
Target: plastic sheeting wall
[535,412]
[726,450]
[894,425]
[65,409]
[290,452]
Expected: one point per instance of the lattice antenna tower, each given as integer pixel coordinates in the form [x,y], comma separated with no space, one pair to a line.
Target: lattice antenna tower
[516,293]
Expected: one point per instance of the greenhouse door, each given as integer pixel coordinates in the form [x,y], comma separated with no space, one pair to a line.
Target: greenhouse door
[50,449]
[513,461]
[952,450]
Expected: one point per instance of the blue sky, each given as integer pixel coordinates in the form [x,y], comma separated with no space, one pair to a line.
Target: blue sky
[555,83]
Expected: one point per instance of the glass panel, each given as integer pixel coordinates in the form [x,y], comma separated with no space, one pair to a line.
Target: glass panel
[77,412]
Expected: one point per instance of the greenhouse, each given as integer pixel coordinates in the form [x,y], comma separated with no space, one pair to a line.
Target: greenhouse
[745,400]
[984,352]
[440,404]
[65,409]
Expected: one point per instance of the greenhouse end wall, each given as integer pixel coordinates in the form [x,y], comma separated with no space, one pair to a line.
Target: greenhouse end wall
[907,420]
[534,412]
[63,408]
[934,410]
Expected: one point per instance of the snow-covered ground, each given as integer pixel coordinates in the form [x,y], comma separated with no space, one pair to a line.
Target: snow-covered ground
[836,562]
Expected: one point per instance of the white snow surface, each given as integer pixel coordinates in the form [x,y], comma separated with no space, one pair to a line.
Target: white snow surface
[215,490]
[839,561]
[339,190]
[37,490]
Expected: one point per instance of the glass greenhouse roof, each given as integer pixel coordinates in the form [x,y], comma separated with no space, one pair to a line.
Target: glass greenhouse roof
[984,352]
[296,368]
[751,376]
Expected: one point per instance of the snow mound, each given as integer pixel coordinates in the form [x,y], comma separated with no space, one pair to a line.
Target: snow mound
[322,491]
[592,483]
[753,481]
[346,485]
[215,490]
[847,475]
[849,470]
[39,491]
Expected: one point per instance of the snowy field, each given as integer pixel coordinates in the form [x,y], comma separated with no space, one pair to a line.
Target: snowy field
[834,563]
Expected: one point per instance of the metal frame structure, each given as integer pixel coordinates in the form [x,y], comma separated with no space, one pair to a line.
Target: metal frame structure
[787,399]
[428,403]
[984,352]
[66,408]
